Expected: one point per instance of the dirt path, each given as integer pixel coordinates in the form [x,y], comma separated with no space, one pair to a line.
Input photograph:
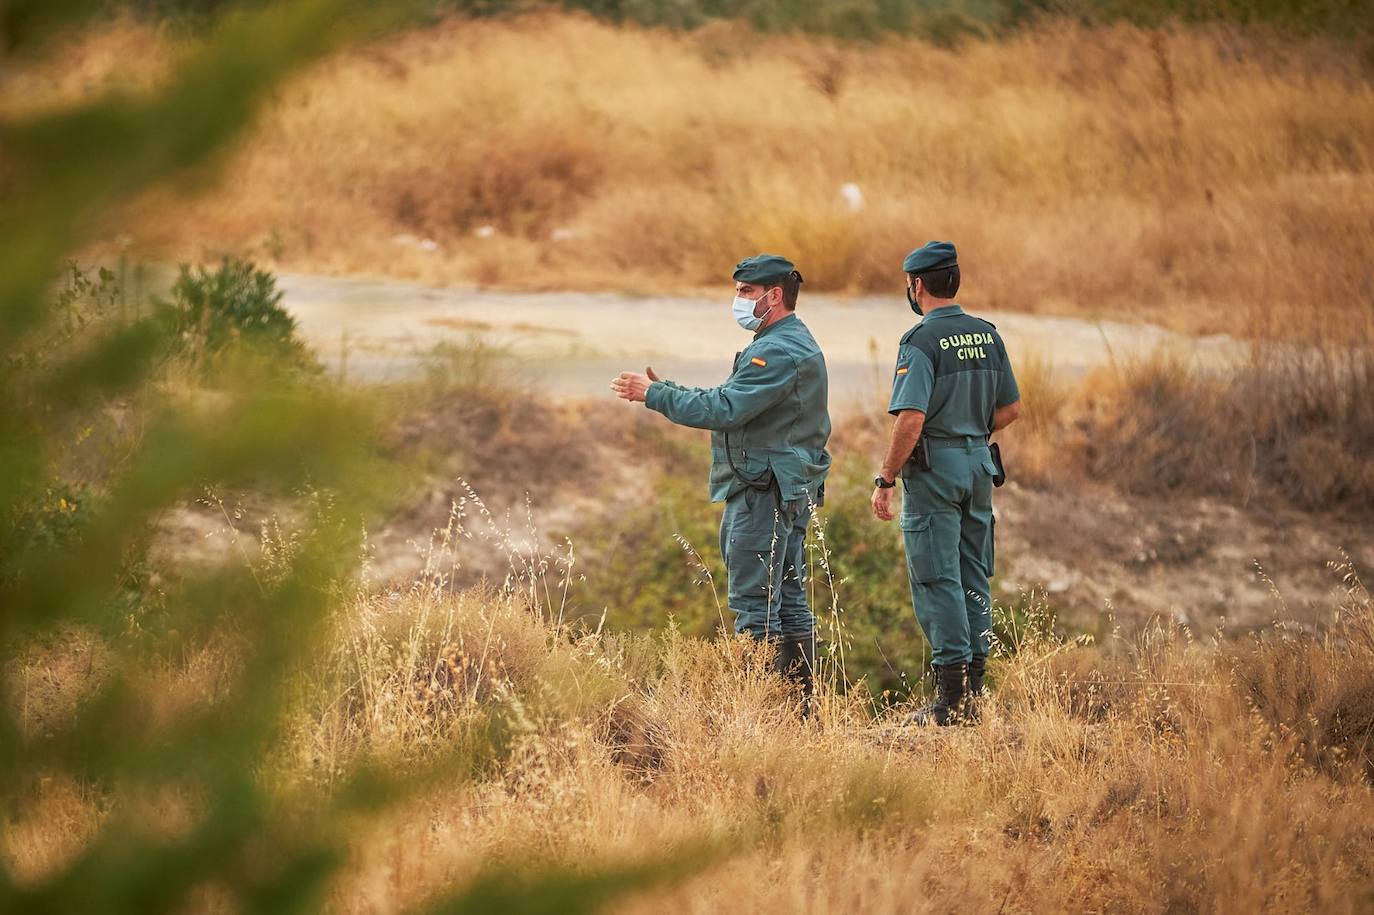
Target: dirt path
[573,343]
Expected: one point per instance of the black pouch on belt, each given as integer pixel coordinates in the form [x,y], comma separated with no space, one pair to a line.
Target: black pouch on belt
[1000,476]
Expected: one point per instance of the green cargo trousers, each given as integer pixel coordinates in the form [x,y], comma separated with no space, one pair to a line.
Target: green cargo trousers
[947,530]
[763,540]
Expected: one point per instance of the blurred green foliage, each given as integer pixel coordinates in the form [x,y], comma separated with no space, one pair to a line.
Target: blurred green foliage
[72,530]
[108,422]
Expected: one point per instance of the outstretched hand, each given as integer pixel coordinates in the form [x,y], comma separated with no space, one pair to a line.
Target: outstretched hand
[633,386]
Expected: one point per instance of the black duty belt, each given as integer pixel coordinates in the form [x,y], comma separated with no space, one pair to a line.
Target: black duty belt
[958,441]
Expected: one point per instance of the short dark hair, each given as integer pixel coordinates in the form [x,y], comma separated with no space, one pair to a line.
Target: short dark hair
[942,283]
[790,286]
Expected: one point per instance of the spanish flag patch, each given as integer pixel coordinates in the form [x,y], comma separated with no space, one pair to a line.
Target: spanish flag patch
[902,370]
[759,362]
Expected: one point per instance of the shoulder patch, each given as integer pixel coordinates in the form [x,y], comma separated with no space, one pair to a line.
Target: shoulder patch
[771,352]
[902,369]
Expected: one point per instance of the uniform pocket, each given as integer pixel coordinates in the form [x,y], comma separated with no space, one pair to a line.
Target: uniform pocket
[922,559]
[751,551]
[754,542]
[755,522]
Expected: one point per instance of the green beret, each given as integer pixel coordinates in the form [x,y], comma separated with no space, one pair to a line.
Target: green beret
[764,268]
[933,255]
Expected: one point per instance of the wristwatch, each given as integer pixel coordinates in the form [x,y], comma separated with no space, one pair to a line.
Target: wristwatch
[879,482]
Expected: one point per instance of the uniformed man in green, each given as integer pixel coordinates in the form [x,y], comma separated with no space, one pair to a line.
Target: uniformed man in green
[953,387]
[769,425]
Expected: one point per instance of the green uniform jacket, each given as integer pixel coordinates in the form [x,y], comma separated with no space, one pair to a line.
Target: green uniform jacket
[772,409]
[954,368]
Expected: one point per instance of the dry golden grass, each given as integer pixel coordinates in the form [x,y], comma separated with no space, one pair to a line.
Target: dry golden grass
[1159,773]
[1043,441]
[1291,420]
[1197,177]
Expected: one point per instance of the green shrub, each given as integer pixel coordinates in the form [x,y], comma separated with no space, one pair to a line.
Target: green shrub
[236,305]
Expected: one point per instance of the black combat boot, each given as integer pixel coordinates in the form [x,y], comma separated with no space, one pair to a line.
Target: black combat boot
[784,656]
[796,660]
[947,707]
[973,711]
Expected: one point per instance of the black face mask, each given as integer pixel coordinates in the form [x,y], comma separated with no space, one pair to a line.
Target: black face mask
[911,300]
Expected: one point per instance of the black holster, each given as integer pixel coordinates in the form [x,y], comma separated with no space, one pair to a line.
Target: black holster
[920,457]
[1000,476]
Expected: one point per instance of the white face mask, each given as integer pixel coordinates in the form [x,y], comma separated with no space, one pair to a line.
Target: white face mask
[743,310]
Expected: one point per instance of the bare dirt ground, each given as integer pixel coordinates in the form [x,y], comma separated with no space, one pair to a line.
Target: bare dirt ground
[1197,561]
[1094,552]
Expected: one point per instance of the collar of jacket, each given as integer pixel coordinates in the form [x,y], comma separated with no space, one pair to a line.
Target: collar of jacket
[945,311]
[776,324]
